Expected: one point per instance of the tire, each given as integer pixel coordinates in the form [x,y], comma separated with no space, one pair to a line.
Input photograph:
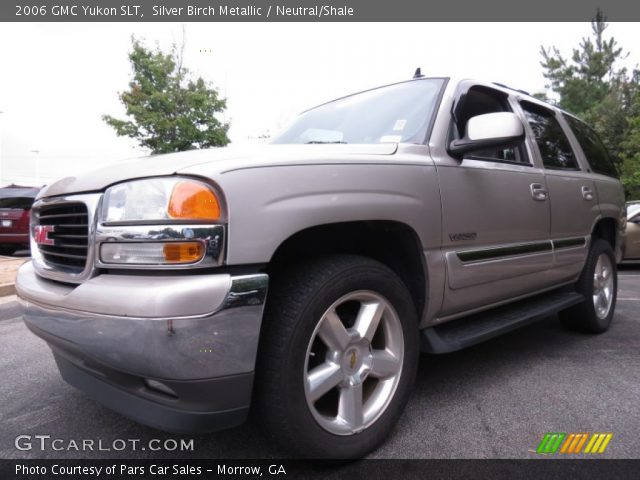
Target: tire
[599,285]
[301,335]
[8,249]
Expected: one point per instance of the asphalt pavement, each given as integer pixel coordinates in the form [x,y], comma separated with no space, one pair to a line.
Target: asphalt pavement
[494,400]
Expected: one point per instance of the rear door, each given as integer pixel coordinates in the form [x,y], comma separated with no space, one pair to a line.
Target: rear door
[596,160]
[572,191]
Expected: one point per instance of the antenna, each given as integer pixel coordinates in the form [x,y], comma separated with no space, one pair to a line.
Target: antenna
[418,73]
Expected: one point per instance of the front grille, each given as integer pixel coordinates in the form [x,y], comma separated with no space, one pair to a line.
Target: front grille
[70,236]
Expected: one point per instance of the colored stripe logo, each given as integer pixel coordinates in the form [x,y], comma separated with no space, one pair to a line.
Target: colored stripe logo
[598,443]
[550,443]
[574,443]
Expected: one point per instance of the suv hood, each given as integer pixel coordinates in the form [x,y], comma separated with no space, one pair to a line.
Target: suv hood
[219,160]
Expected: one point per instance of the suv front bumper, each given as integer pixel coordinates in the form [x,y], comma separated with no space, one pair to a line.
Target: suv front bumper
[175,352]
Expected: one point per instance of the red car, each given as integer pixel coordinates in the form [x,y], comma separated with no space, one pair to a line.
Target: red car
[15,206]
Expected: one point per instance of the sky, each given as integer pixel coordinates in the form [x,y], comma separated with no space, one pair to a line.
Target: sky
[58,79]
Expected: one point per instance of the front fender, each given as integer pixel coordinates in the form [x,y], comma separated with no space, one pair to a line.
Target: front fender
[268,205]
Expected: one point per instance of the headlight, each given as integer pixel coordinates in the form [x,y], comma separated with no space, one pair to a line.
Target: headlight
[163,221]
[158,199]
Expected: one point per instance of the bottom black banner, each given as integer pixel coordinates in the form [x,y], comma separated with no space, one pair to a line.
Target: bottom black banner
[279,469]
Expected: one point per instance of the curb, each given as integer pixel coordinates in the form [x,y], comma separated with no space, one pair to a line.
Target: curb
[7,289]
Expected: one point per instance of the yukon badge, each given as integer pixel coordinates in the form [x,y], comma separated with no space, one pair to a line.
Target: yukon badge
[464,236]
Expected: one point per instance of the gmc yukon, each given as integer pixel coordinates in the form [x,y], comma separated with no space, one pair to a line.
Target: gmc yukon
[302,279]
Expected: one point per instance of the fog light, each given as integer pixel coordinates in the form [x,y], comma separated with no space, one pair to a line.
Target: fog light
[151,253]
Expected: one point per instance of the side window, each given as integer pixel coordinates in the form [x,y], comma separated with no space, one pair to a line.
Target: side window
[592,146]
[552,142]
[479,100]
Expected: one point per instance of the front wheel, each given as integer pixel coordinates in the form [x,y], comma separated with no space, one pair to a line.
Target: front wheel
[338,357]
[599,285]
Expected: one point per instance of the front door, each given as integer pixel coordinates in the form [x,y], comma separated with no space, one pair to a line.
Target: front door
[496,217]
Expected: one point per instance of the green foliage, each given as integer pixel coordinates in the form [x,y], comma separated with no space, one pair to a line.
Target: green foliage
[168,111]
[542,96]
[592,86]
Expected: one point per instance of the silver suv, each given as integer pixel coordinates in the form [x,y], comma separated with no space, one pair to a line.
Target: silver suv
[424,216]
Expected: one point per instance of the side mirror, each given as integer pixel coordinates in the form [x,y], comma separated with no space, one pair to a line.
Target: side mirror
[501,129]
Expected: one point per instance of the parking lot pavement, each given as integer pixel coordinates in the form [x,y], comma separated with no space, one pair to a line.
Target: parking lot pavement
[494,400]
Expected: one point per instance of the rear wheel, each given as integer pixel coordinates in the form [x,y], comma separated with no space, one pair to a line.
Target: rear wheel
[338,357]
[599,285]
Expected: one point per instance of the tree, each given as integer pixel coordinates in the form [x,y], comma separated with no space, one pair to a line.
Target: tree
[594,87]
[168,111]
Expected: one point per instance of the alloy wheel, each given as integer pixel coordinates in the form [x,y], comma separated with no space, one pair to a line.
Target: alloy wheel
[603,286]
[354,362]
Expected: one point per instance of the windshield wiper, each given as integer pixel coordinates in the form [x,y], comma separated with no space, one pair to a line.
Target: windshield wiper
[322,142]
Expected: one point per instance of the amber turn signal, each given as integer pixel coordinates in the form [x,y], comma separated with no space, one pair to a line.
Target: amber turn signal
[192,200]
[183,252]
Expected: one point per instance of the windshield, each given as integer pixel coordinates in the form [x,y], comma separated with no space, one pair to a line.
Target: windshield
[392,114]
[633,210]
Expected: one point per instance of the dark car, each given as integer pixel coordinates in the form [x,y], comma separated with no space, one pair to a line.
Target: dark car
[15,206]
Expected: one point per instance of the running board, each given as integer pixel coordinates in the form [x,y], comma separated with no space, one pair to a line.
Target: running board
[458,334]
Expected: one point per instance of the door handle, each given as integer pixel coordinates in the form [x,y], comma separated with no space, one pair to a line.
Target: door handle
[538,192]
[587,194]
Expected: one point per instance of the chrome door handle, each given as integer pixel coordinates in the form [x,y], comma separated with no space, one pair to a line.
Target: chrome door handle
[538,192]
[587,194]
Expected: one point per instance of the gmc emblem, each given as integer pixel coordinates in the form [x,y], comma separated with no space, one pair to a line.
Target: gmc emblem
[41,234]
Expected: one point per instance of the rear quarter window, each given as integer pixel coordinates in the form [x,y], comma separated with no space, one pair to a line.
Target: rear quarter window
[594,150]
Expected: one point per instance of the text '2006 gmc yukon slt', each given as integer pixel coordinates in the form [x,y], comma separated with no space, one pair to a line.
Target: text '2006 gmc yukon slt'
[302,279]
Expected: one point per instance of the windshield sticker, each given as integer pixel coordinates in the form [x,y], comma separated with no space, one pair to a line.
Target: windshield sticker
[399,125]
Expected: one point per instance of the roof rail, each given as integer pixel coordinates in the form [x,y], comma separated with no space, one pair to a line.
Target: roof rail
[510,88]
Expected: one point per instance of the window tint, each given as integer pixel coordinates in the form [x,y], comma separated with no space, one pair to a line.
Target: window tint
[552,142]
[509,154]
[592,146]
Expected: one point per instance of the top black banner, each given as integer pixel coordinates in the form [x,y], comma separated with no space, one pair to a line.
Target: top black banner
[313,10]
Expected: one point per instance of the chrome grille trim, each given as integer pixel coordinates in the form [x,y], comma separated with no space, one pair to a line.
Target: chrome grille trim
[71,258]
[70,254]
